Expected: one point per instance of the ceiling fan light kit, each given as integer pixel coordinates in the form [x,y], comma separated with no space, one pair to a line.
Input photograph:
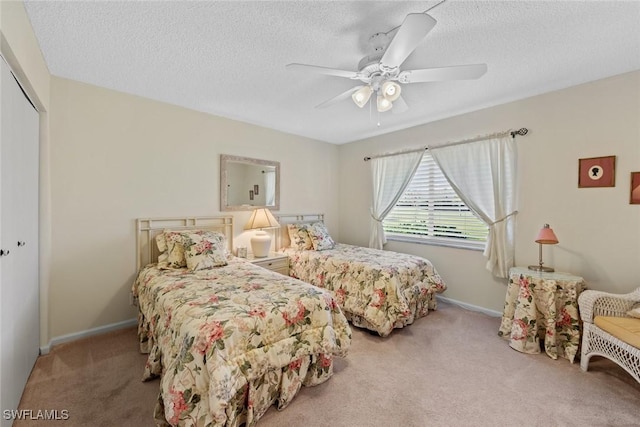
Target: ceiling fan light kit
[380,72]
[362,95]
[383,104]
[391,90]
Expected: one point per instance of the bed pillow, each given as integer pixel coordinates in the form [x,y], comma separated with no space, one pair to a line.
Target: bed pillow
[204,250]
[299,236]
[175,249]
[163,261]
[163,257]
[320,237]
[161,242]
[176,257]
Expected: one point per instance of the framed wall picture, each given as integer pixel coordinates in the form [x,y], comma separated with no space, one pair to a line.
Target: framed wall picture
[634,199]
[597,172]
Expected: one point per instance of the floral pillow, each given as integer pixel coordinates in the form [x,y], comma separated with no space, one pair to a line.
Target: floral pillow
[163,263]
[163,257]
[204,250]
[161,242]
[176,257]
[175,249]
[320,237]
[299,236]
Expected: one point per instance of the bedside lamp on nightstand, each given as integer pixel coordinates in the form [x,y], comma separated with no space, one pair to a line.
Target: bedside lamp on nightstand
[261,218]
[546,236]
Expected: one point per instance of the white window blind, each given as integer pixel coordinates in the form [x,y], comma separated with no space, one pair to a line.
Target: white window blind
[429,211]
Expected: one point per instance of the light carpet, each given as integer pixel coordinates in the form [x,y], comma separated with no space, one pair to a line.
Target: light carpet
[447,369]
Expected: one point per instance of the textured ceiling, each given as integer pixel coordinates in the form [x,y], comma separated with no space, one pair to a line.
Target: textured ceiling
[228,58]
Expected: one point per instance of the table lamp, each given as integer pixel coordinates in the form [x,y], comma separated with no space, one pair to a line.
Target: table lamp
[546,236]
[261,218]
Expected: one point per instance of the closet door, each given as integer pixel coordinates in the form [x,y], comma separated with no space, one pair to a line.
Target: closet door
[7,234]
[26,265]
[19,266]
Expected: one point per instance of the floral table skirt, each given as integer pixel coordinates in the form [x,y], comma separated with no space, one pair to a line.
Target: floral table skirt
[543,306]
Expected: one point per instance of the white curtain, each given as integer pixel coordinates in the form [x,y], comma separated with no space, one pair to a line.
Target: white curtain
[483,175]
[390,175]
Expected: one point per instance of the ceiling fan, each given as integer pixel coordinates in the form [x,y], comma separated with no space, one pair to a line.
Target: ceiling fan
[381,74]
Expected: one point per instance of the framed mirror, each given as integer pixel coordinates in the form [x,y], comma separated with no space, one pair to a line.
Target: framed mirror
[247,183]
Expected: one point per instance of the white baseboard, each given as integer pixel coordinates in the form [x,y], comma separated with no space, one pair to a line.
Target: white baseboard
[88,333]
[471,307]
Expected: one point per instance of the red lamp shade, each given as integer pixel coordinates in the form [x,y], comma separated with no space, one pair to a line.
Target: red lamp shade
[546,236]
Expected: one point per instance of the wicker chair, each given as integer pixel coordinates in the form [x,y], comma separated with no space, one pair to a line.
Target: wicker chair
[596,341]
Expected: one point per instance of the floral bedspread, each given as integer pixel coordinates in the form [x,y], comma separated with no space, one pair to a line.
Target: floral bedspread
[231,341]
[378,290]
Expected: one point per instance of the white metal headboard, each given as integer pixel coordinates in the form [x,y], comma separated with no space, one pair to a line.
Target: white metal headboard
[148,228]
[282,235]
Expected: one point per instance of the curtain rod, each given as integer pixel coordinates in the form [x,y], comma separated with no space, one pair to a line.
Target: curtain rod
[521,132]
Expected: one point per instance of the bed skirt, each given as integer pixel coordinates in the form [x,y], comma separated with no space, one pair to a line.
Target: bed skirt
[418,307]
[277,386]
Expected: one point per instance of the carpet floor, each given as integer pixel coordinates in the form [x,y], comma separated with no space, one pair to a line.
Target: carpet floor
[447,369]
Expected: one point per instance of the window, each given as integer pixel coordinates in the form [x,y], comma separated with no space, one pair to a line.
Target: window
[430,212]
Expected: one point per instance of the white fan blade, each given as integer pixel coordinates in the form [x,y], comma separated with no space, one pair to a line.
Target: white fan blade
[414,28]
[399,106]
[323,70]
[459,72]
[341,97]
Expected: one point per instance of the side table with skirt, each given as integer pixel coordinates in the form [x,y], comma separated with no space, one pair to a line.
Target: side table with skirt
[541,305]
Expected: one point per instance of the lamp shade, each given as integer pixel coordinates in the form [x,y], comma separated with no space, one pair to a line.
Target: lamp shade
[391,90]
[362,95]
[383,104]
[546,236]
[261,218]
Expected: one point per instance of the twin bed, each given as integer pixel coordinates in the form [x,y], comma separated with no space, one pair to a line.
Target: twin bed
[229,338]
[377,290]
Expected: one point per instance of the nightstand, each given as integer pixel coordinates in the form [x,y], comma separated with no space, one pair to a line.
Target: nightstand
[542,306]
[274,261]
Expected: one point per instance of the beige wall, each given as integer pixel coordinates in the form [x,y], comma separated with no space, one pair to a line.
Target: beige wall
[117,157]
[599,231]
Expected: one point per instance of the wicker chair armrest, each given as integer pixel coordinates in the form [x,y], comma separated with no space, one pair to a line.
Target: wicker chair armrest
[597,303]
